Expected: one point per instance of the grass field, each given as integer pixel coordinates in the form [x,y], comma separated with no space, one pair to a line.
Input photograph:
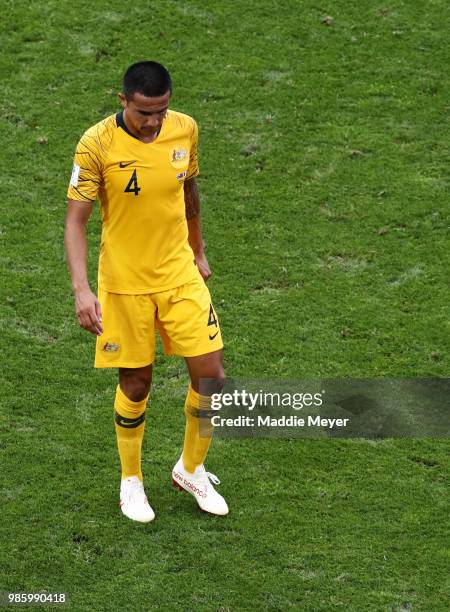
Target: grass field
[324,182]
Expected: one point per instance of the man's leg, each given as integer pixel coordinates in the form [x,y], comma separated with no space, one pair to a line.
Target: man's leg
[128,339]
[189,473]
[197,408]
[189,326]
[130,403]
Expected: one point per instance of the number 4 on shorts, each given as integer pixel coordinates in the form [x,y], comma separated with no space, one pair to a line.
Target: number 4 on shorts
[212,316]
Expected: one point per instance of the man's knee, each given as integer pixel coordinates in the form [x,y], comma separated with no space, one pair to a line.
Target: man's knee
[219,377]
[215,370]
[207,373]
[212,381]
[135,383]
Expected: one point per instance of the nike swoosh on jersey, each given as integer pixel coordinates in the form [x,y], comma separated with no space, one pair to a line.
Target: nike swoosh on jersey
[212,337]
[125,164]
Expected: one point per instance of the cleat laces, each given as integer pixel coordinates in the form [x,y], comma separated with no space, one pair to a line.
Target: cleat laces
[212,478]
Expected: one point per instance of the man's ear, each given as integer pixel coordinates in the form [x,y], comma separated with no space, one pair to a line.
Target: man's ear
[123,100]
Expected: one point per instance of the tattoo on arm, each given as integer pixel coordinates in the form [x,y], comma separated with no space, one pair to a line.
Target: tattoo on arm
[191,199]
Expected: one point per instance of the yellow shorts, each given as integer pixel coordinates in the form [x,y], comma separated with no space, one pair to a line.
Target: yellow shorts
[184,316]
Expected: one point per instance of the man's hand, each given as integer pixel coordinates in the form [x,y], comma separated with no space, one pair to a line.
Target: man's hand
[203,266]
[89,311]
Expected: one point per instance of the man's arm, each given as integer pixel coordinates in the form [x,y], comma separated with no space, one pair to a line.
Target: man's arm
[87,306]
[192,203]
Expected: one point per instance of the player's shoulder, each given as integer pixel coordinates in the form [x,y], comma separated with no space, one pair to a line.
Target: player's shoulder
[101,134]
[182,121]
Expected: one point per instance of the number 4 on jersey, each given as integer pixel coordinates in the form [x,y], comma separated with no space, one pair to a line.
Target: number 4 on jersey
[133,186]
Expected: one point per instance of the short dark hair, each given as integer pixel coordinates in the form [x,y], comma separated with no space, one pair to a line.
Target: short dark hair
[148,78]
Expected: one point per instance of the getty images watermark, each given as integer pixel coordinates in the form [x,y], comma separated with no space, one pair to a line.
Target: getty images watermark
[267,399]
[343,408]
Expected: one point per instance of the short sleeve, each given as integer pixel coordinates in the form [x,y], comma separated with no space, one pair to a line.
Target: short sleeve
[193,169]
[87,169]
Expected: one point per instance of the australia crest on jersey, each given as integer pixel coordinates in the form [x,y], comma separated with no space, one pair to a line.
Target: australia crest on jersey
[178,156]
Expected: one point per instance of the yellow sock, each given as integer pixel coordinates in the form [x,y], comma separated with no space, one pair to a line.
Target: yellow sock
[129,417]
[199,429]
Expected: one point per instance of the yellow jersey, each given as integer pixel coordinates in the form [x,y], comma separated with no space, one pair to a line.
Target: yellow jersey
[144,245]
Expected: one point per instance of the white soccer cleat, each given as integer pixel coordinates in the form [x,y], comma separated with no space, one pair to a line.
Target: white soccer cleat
[133,501]
[200,485]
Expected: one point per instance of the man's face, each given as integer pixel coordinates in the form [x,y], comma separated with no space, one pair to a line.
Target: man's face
[144,115]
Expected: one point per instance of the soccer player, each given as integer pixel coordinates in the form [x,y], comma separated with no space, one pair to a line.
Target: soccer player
[141,165]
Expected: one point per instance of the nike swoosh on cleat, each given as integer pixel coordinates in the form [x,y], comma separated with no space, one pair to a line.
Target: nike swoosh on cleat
[125,164]
[212,337]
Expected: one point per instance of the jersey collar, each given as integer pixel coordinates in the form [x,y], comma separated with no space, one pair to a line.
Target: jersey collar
[121,123]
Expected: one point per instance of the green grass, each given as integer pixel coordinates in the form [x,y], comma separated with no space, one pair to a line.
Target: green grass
[324,181]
